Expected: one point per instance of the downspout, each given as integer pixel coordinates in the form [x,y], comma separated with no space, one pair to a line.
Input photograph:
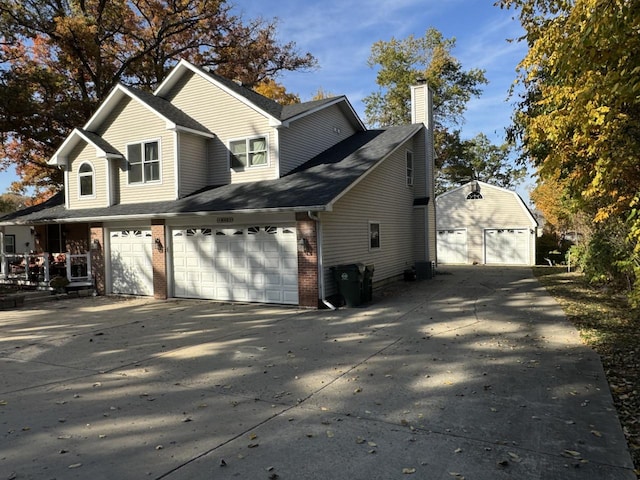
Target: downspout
[321,285]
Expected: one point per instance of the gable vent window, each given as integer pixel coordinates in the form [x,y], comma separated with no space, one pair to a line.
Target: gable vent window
[474,196]
[86,180]
[144,162]
[249,152]
[409,168]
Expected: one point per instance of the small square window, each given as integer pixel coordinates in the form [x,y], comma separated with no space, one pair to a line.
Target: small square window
[144,162]
[374,235]
[249,152]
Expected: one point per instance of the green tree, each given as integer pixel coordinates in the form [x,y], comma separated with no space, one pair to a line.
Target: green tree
[60,58]
[403,63]
[479,159]
[579,118]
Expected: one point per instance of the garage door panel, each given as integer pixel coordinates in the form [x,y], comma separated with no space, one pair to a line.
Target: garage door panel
[507,246]
[131,267]
[452,246]
[256,263]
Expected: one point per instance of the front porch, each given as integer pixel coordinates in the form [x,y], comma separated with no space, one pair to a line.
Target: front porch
[45,271]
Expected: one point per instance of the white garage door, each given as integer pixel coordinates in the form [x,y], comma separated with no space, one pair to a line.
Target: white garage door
[507,246]
[452,246]
[248,264]
[131,267]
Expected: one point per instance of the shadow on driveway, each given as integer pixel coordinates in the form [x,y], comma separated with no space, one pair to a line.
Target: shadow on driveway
[474,374]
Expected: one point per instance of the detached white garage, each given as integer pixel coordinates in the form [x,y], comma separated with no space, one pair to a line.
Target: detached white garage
[250,264]
[479,223]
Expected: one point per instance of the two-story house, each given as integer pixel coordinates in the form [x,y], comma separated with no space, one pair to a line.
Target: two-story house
[206,189]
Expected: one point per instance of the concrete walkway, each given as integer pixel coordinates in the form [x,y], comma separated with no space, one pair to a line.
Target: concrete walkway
[475,374]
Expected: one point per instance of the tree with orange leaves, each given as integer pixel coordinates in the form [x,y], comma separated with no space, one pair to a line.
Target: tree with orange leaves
[60,58]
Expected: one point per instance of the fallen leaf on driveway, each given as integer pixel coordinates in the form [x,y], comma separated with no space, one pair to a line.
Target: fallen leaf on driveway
[571,453]
[408,471]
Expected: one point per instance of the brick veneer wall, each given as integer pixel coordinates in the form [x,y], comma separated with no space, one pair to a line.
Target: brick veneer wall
[159,260]
[308,295]
[96,234]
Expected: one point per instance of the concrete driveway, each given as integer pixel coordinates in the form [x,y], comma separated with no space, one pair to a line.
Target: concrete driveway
[475,374]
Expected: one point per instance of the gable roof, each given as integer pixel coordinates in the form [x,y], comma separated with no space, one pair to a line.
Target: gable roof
[103,148]
[316,186]
[175,119]
[516,196]
[173,116]
[277,113]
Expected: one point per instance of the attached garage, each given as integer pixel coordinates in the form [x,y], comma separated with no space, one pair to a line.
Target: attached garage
[238,263]
[452,246]
[505,246]
[483,224]
[131,267]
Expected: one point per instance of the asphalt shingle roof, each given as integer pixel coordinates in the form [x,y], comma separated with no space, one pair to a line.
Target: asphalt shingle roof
[273,108]
[100,142]
[313,185]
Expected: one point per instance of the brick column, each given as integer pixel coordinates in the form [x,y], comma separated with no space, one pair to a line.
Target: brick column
[159,260]
[307,236]
[96,246]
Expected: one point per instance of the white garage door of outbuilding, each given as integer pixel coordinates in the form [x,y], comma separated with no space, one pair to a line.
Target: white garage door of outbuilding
[452,246]
[250,264]
[507,246]
[131,267]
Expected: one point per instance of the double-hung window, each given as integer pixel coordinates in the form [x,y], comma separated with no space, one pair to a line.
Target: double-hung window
[249,152]
[9,244]
[144,162]
[86,180]
[409,168]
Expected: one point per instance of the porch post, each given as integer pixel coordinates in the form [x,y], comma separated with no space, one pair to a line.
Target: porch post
[4,267]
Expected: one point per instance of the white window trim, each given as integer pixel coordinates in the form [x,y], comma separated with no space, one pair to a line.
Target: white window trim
[93,181]
[410,177]
[151,182]
[247,140]
[373,222]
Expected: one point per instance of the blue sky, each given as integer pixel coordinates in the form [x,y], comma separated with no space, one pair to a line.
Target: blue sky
[340,33]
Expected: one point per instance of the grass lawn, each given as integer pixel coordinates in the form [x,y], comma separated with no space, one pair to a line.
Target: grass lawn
[609,325]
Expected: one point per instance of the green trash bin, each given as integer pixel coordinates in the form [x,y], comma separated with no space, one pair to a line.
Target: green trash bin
[349,279]
[367,283]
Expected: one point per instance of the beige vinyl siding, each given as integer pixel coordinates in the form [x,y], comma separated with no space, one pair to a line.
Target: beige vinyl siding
[229,119]
[345,231]
[420,165]
[129,123]
[431,232]
[192,163]
[310,135]
[84,152]
[498,208]
[419,104]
